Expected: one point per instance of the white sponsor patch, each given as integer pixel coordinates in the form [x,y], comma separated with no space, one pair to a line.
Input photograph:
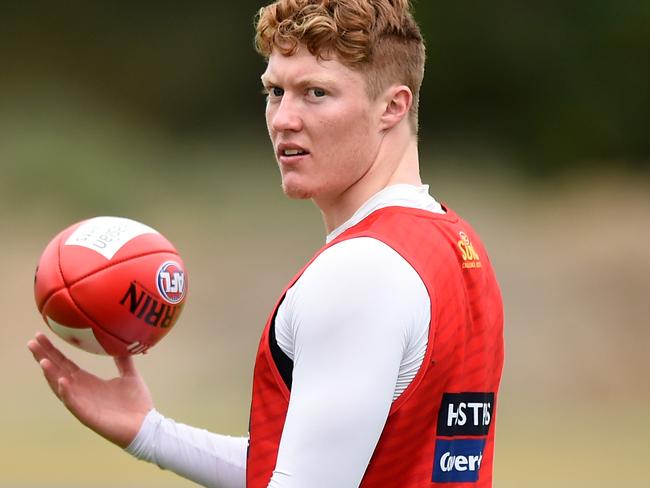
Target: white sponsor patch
[107,235]
[82,338]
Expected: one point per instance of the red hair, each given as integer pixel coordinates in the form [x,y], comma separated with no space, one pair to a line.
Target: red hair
[379,38]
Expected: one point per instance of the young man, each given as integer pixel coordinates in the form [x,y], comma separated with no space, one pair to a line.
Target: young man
[380,364]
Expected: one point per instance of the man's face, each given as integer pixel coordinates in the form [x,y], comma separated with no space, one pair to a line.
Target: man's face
[323,126]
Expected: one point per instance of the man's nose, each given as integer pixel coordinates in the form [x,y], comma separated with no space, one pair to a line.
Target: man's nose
[285,116]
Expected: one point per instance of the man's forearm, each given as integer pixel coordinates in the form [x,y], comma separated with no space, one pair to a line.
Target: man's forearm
[212,460]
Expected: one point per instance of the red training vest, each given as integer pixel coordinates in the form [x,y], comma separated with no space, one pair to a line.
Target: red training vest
[440,431]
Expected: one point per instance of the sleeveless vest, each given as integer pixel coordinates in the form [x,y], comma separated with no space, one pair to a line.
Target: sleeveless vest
[440,431]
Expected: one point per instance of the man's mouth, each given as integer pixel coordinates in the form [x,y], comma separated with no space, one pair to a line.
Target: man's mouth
[287,152]
[293,152]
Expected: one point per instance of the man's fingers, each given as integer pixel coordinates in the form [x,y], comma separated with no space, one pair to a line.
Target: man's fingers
[53,354]
[52,374]
[126,365]
[36,350]
[67,396]
[63,392]
[50,370]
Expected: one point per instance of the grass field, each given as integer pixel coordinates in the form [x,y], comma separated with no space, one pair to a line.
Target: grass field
[572,257]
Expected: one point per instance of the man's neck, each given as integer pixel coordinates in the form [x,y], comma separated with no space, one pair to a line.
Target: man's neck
[395,163]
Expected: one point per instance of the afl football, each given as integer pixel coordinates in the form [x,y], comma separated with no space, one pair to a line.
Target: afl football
[110,285]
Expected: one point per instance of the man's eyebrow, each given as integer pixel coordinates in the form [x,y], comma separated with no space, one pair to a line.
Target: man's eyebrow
[300,82]
[315,81]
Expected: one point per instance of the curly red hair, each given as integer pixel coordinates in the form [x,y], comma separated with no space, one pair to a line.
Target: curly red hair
[379,38]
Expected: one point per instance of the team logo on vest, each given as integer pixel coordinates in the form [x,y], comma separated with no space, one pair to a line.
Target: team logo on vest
[457,460]
[465,414]
[170,281]
[471,259]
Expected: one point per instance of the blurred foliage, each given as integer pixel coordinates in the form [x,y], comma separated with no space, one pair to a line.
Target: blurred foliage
[548,85]
[559,82]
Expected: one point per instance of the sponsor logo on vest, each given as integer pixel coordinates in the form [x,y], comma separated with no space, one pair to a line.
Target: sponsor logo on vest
[465,414]
[457,460]
[471,259]
[147,308]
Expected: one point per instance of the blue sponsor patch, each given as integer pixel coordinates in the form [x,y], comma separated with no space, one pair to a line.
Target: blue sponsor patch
[457,460]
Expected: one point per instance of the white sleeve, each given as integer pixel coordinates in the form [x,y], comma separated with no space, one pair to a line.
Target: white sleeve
[351,316]
[212,460]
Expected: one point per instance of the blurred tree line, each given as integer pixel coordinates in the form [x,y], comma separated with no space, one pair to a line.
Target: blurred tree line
[551,84]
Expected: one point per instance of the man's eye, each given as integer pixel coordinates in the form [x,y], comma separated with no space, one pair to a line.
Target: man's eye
[276,92]
[317,92]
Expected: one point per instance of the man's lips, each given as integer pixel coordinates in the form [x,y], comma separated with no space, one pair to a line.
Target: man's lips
[287,152]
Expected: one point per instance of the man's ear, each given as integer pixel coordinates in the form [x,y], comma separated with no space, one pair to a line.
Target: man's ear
[398,100]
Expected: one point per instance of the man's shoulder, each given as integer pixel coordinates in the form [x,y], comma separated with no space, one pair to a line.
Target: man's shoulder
[400,221]
[408,230]
[354,273]
[355,253]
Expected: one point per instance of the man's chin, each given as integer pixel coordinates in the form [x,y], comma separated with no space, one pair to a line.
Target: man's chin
[297,192]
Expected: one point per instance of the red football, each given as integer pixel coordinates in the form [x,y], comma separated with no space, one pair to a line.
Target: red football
[110,285]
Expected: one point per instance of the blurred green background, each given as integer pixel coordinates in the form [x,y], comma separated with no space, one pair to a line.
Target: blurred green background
[534,127]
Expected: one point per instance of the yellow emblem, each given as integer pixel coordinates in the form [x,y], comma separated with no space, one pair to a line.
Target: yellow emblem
[471,259]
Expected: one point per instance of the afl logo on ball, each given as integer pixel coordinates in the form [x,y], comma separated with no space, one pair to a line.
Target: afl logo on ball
[171,282]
